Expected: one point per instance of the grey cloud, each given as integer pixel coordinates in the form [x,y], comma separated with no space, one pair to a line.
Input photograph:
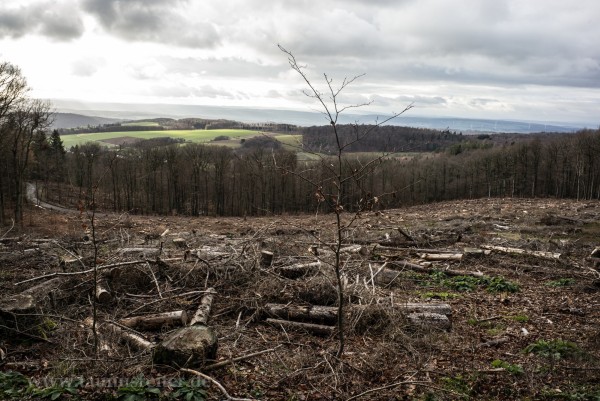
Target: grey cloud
[58,21]
[183,91]
[87,67]
[152,21]
[224,67]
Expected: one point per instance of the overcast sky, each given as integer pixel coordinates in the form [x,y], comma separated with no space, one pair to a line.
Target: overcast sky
[509,59]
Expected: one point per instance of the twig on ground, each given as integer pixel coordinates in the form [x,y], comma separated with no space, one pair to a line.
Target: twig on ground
[238,359]
[216,383]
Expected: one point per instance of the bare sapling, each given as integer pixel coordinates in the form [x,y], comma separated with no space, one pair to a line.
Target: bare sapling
[338,174]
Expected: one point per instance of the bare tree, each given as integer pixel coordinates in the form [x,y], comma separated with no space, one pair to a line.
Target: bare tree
[330,189]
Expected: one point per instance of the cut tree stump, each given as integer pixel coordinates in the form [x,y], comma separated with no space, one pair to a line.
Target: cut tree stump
[103,295]
[192,345]
[266,258]
[156,321]
[32,297]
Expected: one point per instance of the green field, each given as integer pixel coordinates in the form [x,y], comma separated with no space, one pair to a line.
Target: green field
[198,136]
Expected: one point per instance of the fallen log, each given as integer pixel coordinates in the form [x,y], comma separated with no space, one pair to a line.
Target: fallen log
[156,321]
[435,257]
[519,251]
[402,264]
[298,270]
[329,314]
[311,313]
[191,345]
[317,329]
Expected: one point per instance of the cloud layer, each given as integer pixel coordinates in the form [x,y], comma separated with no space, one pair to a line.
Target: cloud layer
[501,56]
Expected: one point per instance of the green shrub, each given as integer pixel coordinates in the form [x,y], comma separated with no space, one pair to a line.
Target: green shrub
[13,385]
[138,389]
[500,284]
[509,367]
[561,282]
[189,390]
[553,349]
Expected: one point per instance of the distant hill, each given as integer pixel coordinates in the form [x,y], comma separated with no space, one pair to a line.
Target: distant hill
[308,118]
[72,120]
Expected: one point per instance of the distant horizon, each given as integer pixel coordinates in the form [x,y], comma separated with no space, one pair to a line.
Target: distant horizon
[140,111]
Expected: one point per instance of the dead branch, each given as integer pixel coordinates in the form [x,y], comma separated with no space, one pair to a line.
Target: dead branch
[216,383]
[226,362]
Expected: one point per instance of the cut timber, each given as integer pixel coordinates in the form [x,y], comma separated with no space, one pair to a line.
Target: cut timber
[192,345]
[519,251]
[317,329]
[311,313]
[430,320]
[299,270]
[156,321]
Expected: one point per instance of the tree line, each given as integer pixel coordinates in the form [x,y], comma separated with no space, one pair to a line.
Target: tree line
[197,179]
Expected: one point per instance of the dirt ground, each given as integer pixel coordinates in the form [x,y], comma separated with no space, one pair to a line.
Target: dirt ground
[528,330]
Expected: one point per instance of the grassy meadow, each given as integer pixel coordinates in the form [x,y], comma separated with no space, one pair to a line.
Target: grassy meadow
[199,136]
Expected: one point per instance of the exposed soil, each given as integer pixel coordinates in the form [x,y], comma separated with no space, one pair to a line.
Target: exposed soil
[554,311]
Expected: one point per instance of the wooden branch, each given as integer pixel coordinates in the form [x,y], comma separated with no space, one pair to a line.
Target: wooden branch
[156,321]
[493,343]
[519,251]
[317,329]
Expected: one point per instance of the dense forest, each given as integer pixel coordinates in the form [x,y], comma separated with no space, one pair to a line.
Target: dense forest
[258,180]
[372,138]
